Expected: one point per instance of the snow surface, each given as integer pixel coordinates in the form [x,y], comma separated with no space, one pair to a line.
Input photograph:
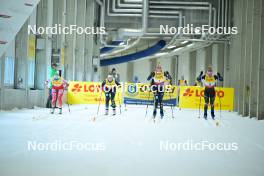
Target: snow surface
[132,143]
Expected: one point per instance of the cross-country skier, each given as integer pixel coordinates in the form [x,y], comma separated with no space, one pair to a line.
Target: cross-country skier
[109,86]
[52,71]
[58,84]
[158,81]
[182,81]
[209,81]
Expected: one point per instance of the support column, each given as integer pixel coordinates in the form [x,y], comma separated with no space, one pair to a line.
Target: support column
[70,41]
[184,67]
[247,57]
[208,56]
[173,68]
[200,61]
[235,53]
[242,63]
[80,42]
[255,56]
[226,66]
[218,59]
[89,42]
[21,64]
[59,17]
[2,72]
[41,53]
[153,64]
[130,71]
[192,68]
[260,85]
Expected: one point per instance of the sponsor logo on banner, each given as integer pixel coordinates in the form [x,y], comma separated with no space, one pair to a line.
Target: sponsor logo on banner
[188,92]
[140,94]
[190,97]
[88,93]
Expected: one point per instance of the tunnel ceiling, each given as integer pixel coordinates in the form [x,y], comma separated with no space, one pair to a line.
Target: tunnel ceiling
[13,14]
[124,16]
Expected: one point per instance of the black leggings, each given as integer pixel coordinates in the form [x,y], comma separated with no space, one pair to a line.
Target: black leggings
[110,96]
[158,99]
[209,97]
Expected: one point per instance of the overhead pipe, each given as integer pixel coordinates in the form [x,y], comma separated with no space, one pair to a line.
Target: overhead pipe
[128,14]
[210,15]
[218,13]
[226,8]
[128,5]
[120,10]
[123,49]
[174,3]
[134,56]
[145,14]
[162,2]
[179,2]
[102,24]
[133,1]
[223,8]
[102,14]
[211,10]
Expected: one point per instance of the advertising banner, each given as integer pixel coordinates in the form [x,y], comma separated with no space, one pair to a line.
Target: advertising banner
[138,93]
[190,97]
[88,93]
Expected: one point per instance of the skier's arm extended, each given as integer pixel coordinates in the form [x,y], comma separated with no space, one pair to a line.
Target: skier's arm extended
[152,74]
[117,83]
[199,78]
[167,74]
[219,77]
[102,85]
[65,83]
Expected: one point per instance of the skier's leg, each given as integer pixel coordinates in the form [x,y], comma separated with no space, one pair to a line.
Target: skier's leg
[212,99]
[53,101]
[156,98]
[161,94]
[48,104]
[113,105]
[206,99]
[59,99]
[107,99]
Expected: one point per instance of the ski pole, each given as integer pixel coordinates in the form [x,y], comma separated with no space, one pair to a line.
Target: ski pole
[220,103]
[147,105]
[200,102]
[68,100]
[69,107]
[119,102]
[172,113]
[98,106]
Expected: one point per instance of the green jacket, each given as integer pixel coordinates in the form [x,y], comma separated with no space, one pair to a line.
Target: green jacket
[52,72]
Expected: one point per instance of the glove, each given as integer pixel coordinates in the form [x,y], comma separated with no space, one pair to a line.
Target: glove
[201,73]
[152,74]
[218,74]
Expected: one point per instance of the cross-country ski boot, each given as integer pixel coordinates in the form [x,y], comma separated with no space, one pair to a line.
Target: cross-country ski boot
[212,115]
[52,110]
[106,112]
[114,112]
[114,108]
[205,116]
[161,113]
[60,110]
[154,114]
